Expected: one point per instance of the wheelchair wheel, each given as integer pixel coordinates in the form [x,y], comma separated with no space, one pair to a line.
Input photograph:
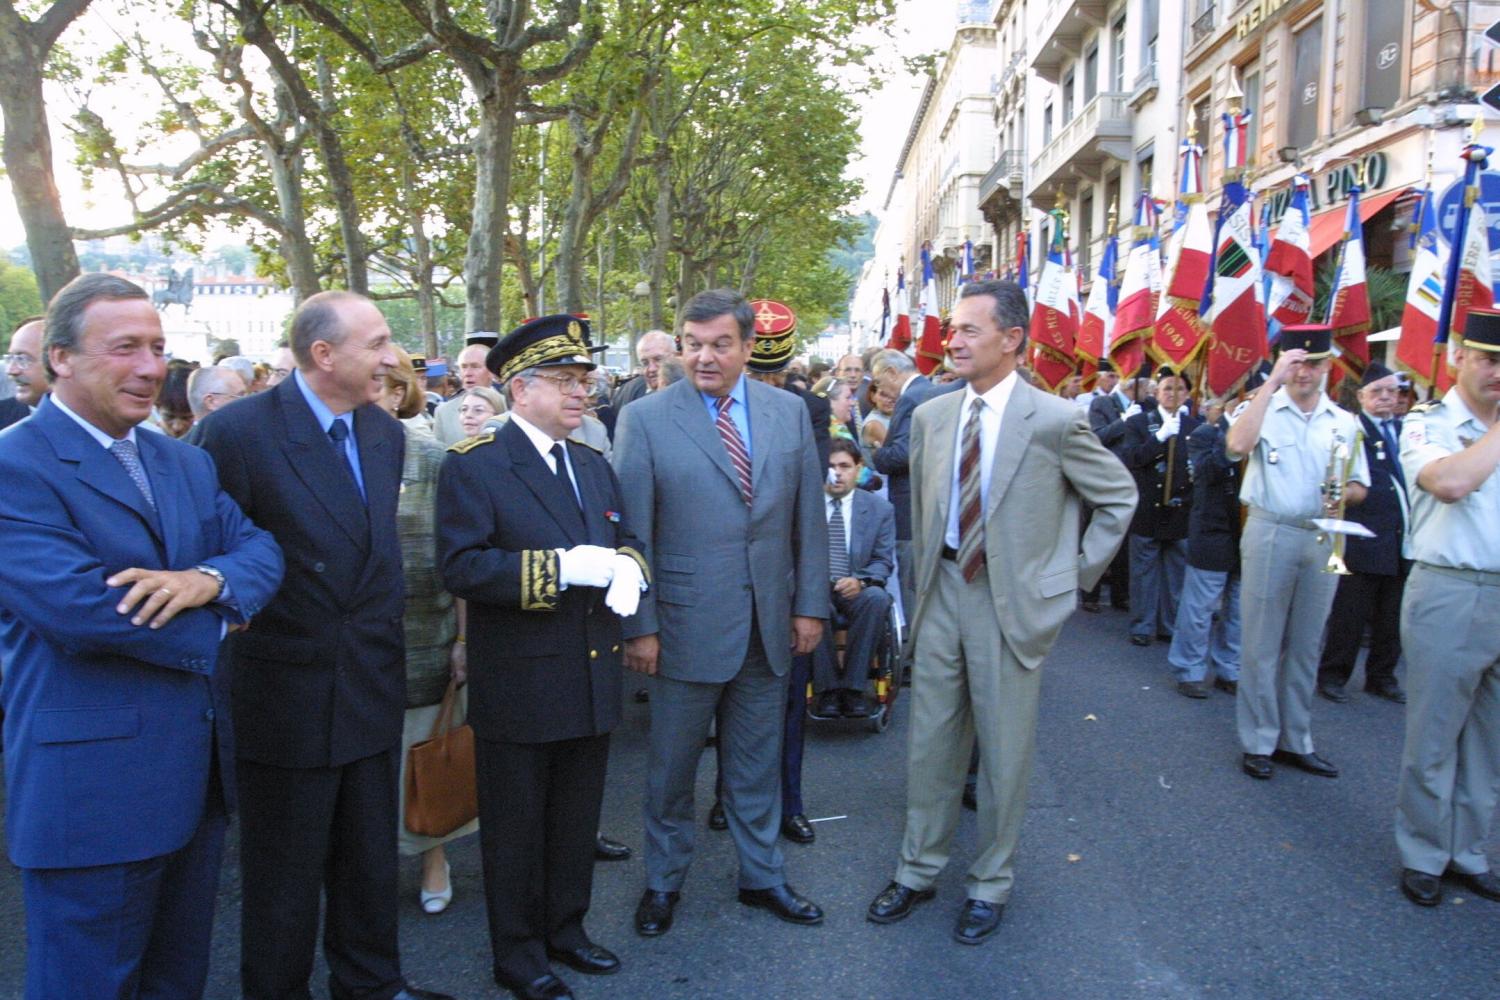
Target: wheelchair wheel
[880,720]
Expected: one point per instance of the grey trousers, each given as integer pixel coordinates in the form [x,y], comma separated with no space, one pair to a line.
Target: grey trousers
[1208,626]
[966,682]
[1450,765]
[1156,571]
[1284,601]
[906,569]
[750,733]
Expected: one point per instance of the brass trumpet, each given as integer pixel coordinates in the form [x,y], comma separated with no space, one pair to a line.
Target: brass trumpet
[1335,475]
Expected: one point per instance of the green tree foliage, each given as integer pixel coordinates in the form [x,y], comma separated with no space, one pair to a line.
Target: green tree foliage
[19,297]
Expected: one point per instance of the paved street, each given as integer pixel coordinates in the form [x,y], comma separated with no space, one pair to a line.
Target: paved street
[1150,867]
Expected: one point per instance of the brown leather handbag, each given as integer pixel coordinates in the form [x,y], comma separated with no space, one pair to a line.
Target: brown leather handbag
[440,795]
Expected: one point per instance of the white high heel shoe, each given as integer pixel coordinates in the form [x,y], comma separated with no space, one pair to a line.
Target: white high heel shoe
[437,902]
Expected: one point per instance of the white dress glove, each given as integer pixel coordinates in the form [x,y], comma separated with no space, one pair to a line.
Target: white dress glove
[1131,411]
[624,594]
[586,566]
[1168,427]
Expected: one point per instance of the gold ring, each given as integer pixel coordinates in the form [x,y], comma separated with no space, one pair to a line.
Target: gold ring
[164,590]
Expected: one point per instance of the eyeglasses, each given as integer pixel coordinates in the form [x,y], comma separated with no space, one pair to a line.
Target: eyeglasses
[280,373]
[569,384]
[24,360]
[226,395]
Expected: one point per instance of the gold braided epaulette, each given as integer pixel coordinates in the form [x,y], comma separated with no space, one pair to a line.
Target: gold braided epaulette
[1431,404]
[468,444]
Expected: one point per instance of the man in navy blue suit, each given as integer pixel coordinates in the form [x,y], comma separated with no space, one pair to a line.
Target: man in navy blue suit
[116,734]
[319,684]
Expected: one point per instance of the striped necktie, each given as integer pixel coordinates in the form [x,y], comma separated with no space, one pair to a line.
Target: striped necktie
[735,445]
[838,545]
[970,524]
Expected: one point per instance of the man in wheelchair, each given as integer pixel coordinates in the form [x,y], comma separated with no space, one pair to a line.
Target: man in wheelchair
[861,558]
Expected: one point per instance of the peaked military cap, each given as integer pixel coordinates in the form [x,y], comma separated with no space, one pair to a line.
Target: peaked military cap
[545,342]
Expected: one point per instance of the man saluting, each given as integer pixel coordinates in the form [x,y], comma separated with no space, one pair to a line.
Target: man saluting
[530,534]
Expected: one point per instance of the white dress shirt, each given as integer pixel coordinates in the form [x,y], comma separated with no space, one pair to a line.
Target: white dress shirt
[543,443]
[847,502]
[995,401]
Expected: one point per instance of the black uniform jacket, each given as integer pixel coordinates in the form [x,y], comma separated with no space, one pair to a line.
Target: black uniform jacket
[1214,522]
[1158,515]
[544,662]
[1381,512]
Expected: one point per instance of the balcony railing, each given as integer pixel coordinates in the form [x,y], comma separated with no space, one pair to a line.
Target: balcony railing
[1204,23]
[1101,130]
[1061,31]
[1008,172]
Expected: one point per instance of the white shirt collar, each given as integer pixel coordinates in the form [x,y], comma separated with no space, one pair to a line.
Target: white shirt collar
[907,384]
[105,441]
[995,398]
[540,439]
[846,501]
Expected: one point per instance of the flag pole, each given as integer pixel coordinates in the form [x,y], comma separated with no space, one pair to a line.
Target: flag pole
[1474,160]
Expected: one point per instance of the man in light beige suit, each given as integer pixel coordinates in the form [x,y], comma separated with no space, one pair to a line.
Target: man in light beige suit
[998,474]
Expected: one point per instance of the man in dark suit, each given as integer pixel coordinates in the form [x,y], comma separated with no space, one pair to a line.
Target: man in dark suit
[117,736]
[722,482]
[1107,420]
[898,372]
[530,534]
[1155,450]
[320,683]
[24,368]
[1371,594]
[652,351]
[864,525]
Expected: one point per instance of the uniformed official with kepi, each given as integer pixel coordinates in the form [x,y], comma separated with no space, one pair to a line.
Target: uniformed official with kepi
[530,533]
[1303,450]
[1450,767]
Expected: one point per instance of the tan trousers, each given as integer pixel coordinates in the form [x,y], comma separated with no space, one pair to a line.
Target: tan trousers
[1285,598]
[1450,765]
[966,681]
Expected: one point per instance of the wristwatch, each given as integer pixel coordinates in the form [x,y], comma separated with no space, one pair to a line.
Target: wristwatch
[208,570]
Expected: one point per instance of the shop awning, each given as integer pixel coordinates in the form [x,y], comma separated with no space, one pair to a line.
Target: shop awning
[1328,227]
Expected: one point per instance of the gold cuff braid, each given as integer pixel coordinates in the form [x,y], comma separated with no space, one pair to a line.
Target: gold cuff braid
[539,580]
[632,553]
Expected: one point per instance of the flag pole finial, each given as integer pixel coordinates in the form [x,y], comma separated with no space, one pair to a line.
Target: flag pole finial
[1476,130]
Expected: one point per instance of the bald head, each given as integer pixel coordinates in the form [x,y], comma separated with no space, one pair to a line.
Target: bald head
[210,388]
[24,366]
[652,349]
[471,369]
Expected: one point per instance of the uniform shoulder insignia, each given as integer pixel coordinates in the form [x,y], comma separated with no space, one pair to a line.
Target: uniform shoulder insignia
[470,443]
[591,447]
[1431,404]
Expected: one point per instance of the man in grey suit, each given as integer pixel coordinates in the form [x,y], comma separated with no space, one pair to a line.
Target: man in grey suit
[999,472]
[898,373]
[722,483]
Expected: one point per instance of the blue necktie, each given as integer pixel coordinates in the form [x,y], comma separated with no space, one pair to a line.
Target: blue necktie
[339,432]
[127,455]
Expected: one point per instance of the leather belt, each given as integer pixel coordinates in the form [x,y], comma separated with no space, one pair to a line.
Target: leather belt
[950,553]
[1291,522]
[1480,576]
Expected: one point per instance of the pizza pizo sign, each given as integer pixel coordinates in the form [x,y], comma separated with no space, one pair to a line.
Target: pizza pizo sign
[1332,187]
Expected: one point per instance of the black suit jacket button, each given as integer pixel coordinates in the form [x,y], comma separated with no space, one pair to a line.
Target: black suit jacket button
[318,567]
[209,715]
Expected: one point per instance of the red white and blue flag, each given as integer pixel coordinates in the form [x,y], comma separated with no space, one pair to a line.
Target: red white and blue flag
[901,330]
[1140,288]
[1289,265]
[1349,309]
[1424,295]
[1180,331]
[1054,315]
[1098,323]
[1023,263]
[930,340]
[1236,311]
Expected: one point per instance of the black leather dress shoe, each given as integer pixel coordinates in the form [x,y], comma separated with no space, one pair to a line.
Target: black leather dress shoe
[977,921]
[1257,765]
[544,987]
[1140,640]
[591,959]
[1486,884]
[784,902]
[1092,607]
[895,903]
[1226,685]
[653,914]
[1309,762]
[610,850]
[1191,689]
[413,993]
[1421,888]
[854,705]
[827,704]
[716,817]
[797,828]
[1390,692]
[1333,692]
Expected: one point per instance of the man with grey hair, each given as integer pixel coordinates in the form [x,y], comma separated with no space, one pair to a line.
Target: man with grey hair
[897,372]
[210,388]
[654,347]
[24,372]
[241,366]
